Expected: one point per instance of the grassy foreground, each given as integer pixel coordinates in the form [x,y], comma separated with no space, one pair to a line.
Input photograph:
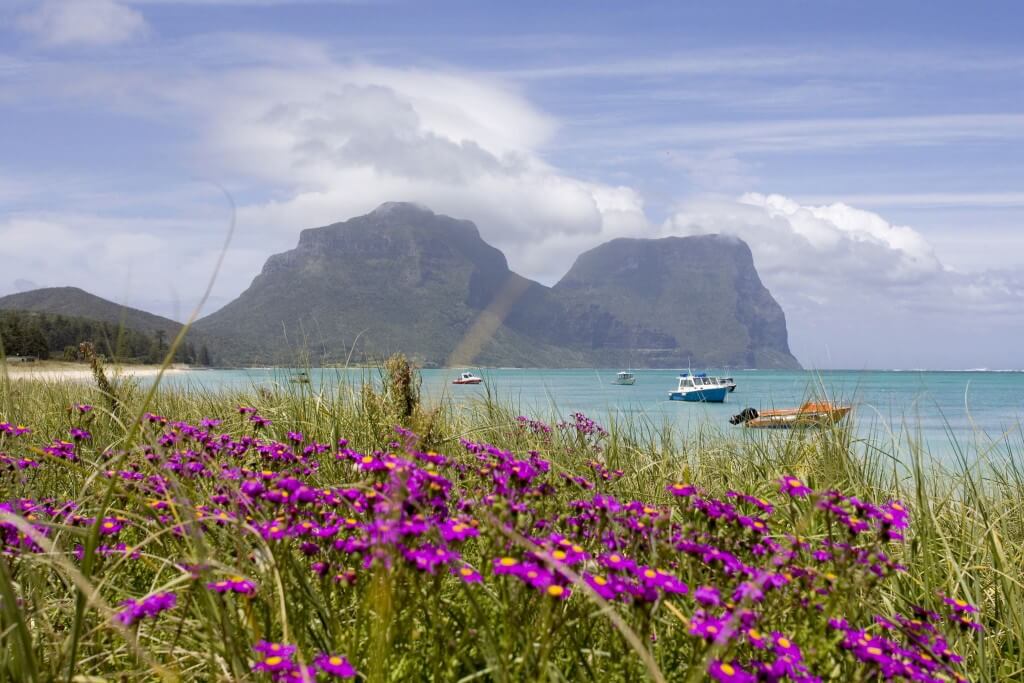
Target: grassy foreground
[289,535]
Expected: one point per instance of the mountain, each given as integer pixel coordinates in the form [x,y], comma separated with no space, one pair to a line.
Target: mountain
[679,301]
[403,278]
[72,301]
[59,318]
[400,278]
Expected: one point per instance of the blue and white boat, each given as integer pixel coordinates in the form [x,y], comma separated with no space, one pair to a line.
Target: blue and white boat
[700,388]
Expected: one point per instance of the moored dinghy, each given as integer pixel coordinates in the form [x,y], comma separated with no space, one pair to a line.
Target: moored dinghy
[699,388]
[810,414]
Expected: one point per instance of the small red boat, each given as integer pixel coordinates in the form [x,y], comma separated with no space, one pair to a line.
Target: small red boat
[467,378]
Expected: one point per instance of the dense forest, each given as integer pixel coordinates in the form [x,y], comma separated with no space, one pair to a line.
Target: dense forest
[46,335]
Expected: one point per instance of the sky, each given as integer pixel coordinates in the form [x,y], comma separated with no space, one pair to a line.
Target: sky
[871,154]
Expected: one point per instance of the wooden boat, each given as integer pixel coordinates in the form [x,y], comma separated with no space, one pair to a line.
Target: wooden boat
[810,414]
[467,378]
[625,379]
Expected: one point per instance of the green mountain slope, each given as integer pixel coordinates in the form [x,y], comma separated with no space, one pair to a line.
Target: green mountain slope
[72,301]
[402,278]
[679,301]
[398,279]
[66,316]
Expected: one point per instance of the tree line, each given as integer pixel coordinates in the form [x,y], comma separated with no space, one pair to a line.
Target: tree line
[45,335]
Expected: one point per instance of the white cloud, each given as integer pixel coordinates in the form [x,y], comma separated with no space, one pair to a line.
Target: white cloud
[813,134]
[927,199]
[314,141]
[336,140]
[859,291]
[82,22]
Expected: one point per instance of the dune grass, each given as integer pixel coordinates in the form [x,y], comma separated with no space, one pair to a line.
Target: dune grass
[188,526]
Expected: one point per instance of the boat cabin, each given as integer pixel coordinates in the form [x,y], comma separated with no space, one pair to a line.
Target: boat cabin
[697,381]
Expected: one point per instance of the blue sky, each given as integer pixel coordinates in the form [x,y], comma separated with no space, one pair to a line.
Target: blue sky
[871,154]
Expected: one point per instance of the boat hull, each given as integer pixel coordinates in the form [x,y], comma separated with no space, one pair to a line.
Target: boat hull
[467,381]
[817,416]
[704,395]
[624,382]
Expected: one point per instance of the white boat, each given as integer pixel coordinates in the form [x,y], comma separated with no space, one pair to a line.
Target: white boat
[467,378]
[729,383]
[698,387]
[625,378]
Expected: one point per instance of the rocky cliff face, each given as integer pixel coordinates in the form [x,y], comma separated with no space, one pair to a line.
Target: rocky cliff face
[398,279]
[405,279]
[678,301]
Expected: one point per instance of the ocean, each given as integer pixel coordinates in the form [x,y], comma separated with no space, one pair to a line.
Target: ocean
[946,413]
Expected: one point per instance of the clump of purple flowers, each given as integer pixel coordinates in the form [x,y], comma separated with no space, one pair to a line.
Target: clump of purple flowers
[745,592]
[150,606]
[584,426]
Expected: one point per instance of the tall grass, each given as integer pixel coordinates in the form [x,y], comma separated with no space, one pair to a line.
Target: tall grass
[966,539]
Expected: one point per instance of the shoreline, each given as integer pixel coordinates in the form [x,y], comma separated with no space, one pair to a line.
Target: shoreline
[62,371]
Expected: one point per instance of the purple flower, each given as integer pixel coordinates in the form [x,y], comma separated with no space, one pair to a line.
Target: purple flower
[960,606]
[708,627]
[336,666]
[683,490]
[467,574]
[79,434]
[111,526]
[729,673]
[794,487]
[707,596]
[602,586]
[151,606]
[234,584]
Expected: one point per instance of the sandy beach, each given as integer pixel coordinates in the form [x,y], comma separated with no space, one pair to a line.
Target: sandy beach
[60,371]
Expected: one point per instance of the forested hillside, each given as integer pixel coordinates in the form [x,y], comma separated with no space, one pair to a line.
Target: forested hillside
[26,333]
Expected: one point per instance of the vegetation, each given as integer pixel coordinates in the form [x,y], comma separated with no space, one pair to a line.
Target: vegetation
[24,333]
[73,302]
[404,278]
[288,533]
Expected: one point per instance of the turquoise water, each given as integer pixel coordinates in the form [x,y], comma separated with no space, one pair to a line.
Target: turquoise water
[976,410]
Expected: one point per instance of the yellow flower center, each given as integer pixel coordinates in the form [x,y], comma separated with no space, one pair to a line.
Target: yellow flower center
[555,590]
[272,661]
[783,642]
[728,670]
[508,561]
